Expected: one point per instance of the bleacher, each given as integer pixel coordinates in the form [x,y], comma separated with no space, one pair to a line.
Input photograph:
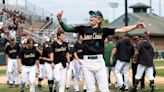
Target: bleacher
[28,19]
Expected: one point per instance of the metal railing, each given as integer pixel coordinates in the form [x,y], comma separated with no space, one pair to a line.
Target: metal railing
[32,10]
[33,14]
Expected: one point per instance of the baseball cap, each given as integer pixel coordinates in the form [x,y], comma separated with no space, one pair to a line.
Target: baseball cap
[135,37]
[96,14]
[12,39]
[128,35]
[110,37]
[36,45]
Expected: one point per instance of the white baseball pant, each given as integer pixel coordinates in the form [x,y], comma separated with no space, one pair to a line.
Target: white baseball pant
[79,75]
[148,70]
[69,73]
[48,70]
[112,69]
[29,71]
[119,68]
[59,77]
[41,71]
[95,69]
[12,69]
[7,75]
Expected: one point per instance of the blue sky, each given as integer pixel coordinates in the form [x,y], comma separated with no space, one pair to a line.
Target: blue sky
[76,11]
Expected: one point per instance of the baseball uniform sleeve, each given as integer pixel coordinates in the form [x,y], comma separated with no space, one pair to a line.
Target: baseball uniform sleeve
[53,47]
[108,31]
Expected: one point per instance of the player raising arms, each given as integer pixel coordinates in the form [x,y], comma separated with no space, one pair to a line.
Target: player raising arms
[94,35]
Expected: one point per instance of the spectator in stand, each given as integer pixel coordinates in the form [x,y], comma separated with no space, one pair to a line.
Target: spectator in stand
[12,33]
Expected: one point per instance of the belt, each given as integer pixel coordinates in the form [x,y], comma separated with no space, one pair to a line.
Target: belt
[93,56]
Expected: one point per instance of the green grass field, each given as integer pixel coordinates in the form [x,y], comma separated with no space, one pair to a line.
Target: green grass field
[159,63]
[159,87]
[4,88]
[160,72]
[2,72]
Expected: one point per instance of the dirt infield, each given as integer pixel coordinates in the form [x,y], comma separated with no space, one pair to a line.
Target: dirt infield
[2,67]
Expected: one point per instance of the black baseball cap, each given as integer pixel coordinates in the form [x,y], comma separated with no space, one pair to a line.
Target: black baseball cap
[128,35]
[12,39]
[96,14]
[110,37]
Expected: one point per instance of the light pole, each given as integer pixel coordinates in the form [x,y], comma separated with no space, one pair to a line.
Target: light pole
[126,13]
[113,5]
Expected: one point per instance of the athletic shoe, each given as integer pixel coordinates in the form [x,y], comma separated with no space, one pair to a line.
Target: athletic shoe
[10,85]
[16,85]
[133,89]
[143,89]
[122,88]
[21,91]
[40,87]
[152,89]
[7,82]
[84,90]
[67,88]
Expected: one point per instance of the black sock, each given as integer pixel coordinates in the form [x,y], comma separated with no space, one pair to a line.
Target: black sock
[136,83]
[22,86]
[39,81]
[50,84]
[151,83]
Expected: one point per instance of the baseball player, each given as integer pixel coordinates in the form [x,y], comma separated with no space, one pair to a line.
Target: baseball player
[47,64]
[29,56]
[94,35]
[60,56]
[12,51]
[71,66]
[125,52]
[145,54]
[136,40]
[23,45]
[109,55]
[6,42]
[78,54]
[39,48]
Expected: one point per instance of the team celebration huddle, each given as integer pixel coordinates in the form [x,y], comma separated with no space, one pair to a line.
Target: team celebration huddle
[97,52]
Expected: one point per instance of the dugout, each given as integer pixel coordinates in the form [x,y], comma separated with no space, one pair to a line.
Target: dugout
[2,57]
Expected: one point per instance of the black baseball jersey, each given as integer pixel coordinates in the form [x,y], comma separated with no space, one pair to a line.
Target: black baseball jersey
[46,53]
[78,47]
[12,52]
[125,50]
[59,52]
[93,38]
[29,56]
[40,60]
[71,52]
[146,54]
